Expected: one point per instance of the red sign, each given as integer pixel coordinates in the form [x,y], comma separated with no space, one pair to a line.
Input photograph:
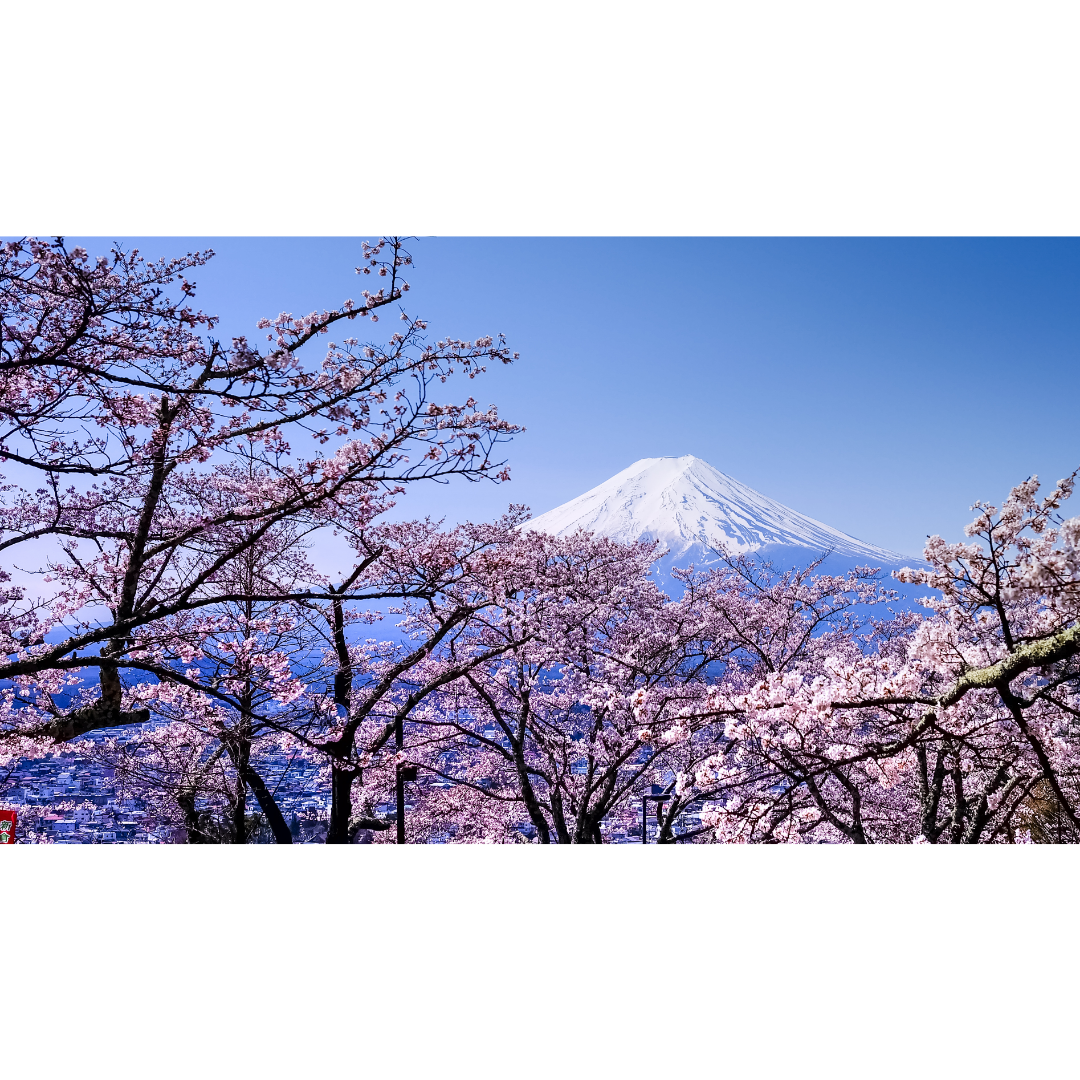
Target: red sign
[7,826]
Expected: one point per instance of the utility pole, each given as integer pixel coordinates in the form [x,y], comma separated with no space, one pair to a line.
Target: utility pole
[402,773]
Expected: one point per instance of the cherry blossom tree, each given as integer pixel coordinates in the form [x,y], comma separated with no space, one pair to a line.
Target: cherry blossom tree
[164,454]
[467,578]
[578,706]
[935,729]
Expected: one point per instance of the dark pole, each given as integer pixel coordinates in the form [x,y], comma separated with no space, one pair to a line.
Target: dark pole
[660,800]
[399,782]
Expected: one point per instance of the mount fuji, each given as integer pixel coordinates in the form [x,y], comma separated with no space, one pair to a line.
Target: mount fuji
[695,510]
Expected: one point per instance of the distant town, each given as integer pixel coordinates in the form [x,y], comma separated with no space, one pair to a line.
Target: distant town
[72,799]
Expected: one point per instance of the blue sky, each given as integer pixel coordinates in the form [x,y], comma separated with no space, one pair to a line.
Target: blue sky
[879,385]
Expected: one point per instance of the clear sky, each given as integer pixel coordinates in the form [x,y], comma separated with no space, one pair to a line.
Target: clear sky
[879,385]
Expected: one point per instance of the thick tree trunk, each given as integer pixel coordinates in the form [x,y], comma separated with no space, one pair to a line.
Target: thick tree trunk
[341,782]
[268,804]
[561,831]
[239,748]
[666,819]
[341,778]
[239,814]
[532,804]
[930,788]
[956,826]
[981,810]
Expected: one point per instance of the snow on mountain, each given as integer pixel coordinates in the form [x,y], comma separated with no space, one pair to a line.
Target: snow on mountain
[691,507]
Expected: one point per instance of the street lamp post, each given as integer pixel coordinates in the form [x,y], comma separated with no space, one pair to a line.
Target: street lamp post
[659,798]
[404,772]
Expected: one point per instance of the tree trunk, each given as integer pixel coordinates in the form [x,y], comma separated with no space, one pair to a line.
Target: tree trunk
[561,830]
[268,804]
[239,814]
[192,820]
[341,782]
[239,824]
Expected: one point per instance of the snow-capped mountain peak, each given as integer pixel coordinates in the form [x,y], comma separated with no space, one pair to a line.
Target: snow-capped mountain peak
[685,503]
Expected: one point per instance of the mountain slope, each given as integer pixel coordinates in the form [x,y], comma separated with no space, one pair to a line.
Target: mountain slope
[691,508]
